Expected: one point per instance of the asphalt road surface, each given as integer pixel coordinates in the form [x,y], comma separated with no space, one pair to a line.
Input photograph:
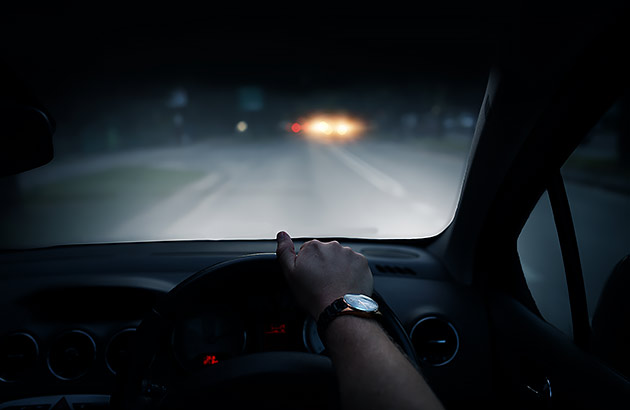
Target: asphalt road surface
[368,189]
[309,189]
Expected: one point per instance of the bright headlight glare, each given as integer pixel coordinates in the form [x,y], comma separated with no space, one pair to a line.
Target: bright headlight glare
[343,128]
[332,128]
[323,127]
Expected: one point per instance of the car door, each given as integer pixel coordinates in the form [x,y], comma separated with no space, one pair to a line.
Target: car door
[542,99]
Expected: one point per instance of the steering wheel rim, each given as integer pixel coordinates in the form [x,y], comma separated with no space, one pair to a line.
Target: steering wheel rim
[145,384]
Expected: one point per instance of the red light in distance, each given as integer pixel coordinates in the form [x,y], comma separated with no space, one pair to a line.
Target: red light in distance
[209,360]
[296,127]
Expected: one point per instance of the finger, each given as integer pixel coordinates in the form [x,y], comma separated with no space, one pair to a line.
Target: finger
[309,243]
[285,251]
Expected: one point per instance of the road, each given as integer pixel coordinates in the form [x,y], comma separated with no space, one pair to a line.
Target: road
[368,189]
[320,190]
[372,189]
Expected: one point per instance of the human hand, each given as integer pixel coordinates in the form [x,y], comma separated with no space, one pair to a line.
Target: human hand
[322,272]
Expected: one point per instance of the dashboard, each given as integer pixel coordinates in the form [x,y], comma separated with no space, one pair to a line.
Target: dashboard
[69,315]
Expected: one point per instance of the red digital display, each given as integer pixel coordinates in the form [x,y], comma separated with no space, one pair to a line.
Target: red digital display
[277,334]
[210,360]
[280,329]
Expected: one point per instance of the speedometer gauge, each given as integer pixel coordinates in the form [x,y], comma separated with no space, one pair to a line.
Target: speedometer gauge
[208,337]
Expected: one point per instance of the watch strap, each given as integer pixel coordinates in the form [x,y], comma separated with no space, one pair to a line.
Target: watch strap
[331,312]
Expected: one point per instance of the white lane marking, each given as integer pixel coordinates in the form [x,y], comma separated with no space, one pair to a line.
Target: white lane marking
[200,186]
[166,210]
[374,176]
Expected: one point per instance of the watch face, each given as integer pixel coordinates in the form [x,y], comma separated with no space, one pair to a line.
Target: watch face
[361,302]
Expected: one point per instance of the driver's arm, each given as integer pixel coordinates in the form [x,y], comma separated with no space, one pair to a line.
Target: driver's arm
[372,372]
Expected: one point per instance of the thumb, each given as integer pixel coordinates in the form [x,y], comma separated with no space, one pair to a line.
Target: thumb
[285,251]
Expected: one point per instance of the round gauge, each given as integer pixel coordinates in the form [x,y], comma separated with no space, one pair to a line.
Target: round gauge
[71,355]
[312,342]
[117,353]
[209,337]
[18,354]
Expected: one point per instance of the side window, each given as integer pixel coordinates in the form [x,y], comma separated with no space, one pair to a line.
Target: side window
[597,182]
[597,179]
[541,259]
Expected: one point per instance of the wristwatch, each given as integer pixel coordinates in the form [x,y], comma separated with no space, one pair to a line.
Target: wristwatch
[349,304]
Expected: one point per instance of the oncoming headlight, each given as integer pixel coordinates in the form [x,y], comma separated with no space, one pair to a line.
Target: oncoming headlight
[332,128]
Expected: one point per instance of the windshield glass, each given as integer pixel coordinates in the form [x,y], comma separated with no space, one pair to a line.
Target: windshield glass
[216,130]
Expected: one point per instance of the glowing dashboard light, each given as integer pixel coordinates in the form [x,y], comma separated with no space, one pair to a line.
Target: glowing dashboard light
[210,360]
[296,127]
[277,330]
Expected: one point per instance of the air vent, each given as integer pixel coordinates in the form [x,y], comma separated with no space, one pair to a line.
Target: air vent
[388,252]
[395,270]
[435,340]
[71,355]
[18,354]
[117,353]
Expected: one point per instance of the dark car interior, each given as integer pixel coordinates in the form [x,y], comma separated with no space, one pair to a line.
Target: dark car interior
[125,325]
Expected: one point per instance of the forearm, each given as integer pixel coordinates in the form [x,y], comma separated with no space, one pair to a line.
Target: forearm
[372,372]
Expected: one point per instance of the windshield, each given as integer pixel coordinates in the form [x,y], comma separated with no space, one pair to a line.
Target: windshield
[221,131]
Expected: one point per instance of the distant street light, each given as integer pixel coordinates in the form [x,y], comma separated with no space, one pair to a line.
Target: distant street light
[241,126]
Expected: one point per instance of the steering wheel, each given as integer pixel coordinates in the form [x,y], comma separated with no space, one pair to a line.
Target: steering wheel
[155,378]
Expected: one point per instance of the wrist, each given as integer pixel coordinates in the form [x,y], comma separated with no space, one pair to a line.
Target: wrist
[322,305]
[346,331]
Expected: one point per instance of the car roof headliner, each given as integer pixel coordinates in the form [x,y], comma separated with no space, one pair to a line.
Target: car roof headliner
[213,46]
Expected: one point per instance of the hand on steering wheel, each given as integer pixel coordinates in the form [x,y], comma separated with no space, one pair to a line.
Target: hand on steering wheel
[322,272]
[273,379]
